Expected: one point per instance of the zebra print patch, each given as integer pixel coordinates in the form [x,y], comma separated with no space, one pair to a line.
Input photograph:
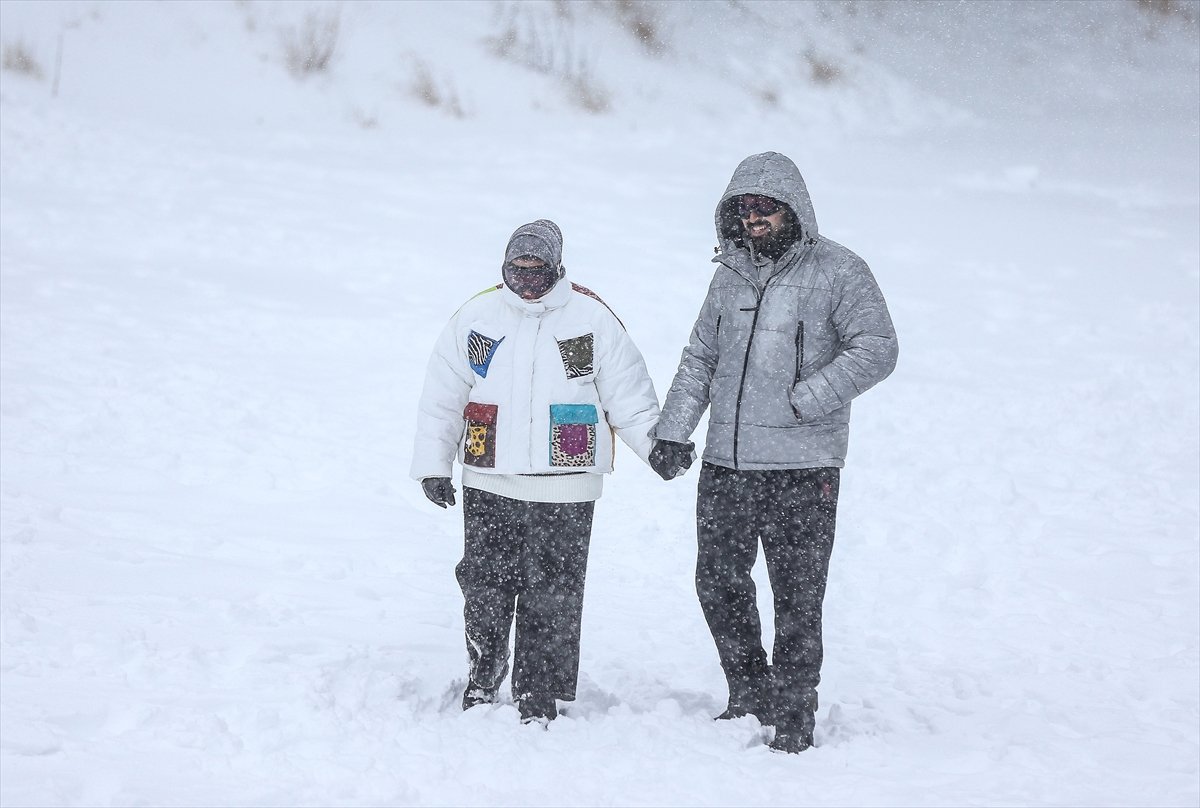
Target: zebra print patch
[480,350]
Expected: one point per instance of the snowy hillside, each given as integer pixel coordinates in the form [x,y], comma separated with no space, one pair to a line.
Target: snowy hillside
[221,275]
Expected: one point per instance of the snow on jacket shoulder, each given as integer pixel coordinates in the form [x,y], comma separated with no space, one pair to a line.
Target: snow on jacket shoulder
[518,387]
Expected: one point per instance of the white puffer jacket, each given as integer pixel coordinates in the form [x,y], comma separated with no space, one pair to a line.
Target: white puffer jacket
[519,387]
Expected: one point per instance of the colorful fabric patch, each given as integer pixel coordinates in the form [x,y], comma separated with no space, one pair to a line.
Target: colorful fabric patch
[576,355]
[480,447]
[573,434]
[574,439]
[480,350]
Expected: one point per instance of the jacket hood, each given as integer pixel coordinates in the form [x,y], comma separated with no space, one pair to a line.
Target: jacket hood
[542,239]
[768,174]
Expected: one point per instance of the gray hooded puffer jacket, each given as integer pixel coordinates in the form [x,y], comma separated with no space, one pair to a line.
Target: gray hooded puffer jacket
[780,347]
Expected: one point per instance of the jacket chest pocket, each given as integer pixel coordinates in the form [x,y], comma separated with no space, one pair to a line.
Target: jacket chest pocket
[816,345]
[573,434]
[799,350]
[733,325]
[578,356]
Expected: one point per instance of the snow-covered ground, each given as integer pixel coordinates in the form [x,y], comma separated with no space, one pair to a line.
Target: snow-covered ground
[220,284]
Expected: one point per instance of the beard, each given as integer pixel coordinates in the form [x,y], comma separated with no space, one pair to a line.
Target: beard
[775,242]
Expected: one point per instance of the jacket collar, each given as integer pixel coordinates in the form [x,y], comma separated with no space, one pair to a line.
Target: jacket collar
[740,260]
[554,299]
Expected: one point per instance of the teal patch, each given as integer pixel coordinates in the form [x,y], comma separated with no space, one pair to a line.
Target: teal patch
[573,414]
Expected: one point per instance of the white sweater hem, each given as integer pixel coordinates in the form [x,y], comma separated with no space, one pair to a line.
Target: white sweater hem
[579,487]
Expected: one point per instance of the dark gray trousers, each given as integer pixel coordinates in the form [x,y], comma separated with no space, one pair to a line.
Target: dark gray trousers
[793,513]
[527,559]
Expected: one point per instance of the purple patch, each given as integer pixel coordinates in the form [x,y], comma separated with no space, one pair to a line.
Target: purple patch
[573,439]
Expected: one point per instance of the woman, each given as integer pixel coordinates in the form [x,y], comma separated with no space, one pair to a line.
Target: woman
[527,386]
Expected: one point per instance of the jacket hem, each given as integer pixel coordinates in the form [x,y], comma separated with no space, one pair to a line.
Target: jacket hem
[578,487]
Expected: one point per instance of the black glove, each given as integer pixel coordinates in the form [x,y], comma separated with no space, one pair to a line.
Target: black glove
[670,458]
[439,490]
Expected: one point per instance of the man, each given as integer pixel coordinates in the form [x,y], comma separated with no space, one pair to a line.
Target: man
[526,387]
[793,329]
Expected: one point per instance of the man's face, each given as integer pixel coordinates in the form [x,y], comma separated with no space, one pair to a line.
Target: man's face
[529,277]
[762,216]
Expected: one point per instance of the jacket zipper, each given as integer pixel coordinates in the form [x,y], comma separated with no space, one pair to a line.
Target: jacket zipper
[799,351]
[533,439]
[737,411]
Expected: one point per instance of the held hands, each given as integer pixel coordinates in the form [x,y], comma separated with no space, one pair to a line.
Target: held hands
[439,490]
[669,458]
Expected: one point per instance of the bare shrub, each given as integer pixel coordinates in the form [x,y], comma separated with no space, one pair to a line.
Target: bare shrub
[364,119]
[309,47]
[438,95]
[248,19]
[423,86]
[19,59]
[564,9]
[546,44]
[821,70]
[1170,8]
[539,42]
[769,97]
[588,95]
[640,19]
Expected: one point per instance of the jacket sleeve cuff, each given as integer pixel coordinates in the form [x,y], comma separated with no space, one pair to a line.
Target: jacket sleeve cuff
[424,471]
[638,439]
[661,432]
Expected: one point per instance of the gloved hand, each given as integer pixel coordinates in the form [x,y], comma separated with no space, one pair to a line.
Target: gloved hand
[439,490]
[670,458]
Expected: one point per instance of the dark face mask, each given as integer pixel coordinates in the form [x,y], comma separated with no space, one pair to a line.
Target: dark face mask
[530,284]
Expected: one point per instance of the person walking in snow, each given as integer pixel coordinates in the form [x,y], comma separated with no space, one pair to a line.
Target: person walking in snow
[792,330]
[527,386]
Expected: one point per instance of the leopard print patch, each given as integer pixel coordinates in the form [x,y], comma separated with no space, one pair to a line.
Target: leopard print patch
[479,446]
[573,445]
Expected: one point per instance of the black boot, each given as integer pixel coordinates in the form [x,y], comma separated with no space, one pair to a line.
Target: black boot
[749,698]
[795,724]
[793,738]
[475,695]
[542,709]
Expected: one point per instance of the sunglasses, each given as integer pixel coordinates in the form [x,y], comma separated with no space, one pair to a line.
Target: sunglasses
[763,205]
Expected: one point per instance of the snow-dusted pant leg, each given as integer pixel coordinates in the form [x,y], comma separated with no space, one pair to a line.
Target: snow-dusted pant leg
[797,542]
[793,512]
[727,533]
[490,575]
[550,605]
[527,559]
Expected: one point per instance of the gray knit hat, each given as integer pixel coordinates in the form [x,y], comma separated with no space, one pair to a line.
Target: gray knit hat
[541,239]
